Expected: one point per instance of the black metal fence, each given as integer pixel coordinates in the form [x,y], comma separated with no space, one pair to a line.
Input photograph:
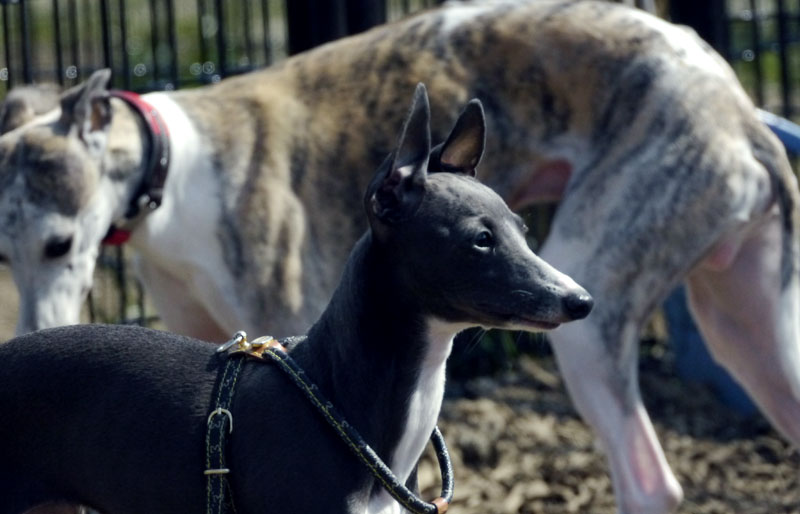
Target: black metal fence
[169,44]
[761,39]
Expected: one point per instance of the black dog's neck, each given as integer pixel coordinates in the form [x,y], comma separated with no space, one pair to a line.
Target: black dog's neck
[369,347]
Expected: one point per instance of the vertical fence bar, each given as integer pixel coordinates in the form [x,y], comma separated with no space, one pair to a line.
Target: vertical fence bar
[123,35]
[4,78]
[221,44]
[172,39]
[105,28]
[201,15]
[783,46]
[7,45]
[248,43]
[756,43]
[154,38]
[74,44]
[27,70]
[89,35]
[364,14]
[59,52]
[266,32]
[140,304]
[92,310]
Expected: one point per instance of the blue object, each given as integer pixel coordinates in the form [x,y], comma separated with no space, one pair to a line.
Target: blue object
[787,131]
[693,361]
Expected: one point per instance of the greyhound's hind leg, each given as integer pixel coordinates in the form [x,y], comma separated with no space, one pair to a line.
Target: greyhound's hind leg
[750,321]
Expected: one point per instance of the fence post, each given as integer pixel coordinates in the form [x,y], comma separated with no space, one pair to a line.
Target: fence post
[364,14]
[314,22]
[708,18]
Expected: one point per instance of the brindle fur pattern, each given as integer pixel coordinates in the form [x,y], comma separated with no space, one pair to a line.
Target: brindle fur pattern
[614,87]
[662,169]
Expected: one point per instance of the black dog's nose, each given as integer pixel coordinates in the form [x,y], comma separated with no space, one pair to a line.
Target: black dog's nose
[578,306]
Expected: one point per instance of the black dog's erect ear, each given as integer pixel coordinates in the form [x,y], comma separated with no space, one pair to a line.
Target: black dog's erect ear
[398,186]
[463,149]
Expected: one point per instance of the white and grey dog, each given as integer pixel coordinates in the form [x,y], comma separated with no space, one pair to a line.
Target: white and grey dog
[662,169]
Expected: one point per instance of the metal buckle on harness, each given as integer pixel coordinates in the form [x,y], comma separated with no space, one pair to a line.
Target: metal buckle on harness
[239,344]
[216,412]
[220,410]
[239,340]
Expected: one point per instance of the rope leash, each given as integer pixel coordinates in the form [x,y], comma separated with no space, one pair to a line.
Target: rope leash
[267,348]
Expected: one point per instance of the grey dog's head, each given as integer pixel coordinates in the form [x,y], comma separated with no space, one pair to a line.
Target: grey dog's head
[56,201]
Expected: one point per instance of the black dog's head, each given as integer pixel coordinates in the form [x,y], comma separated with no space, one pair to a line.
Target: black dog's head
[455,244]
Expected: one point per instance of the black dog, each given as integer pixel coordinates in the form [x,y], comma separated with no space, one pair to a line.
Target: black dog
[115,417]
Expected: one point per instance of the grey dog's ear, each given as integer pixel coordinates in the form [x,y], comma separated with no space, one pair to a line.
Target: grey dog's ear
[86,108]
[23,103]
[397,188]
[463,149]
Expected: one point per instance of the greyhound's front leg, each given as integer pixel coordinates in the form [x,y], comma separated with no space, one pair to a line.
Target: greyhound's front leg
[602,380]
[173,300]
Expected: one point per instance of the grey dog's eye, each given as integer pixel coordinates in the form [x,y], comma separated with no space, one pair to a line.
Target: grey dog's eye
[57,247]
[484,240]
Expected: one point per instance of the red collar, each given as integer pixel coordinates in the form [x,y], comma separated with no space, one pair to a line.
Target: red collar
[150,192]
[116,236]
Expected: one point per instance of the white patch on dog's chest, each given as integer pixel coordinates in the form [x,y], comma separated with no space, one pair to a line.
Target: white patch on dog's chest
[423,410]
[180,238]
[181,235]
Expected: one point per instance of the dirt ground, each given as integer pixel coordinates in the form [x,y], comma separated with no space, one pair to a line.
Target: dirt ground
[519,447]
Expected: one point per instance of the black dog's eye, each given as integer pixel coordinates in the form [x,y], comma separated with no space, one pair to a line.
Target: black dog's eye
[485,240]
[57,247]
[3,259]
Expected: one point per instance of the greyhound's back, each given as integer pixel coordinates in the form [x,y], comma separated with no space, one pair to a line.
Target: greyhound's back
[630,78]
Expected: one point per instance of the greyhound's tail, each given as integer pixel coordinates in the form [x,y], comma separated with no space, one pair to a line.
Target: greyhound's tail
[769,152]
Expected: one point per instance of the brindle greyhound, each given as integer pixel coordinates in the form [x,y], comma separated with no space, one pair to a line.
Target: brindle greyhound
[119,420]
[642,133]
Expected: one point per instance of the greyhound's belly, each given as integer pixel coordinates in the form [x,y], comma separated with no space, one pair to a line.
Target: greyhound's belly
[546,183]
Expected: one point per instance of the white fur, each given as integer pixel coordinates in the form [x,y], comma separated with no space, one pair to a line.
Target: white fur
[179,240]
[684,41]
[423,409]
[457,14]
